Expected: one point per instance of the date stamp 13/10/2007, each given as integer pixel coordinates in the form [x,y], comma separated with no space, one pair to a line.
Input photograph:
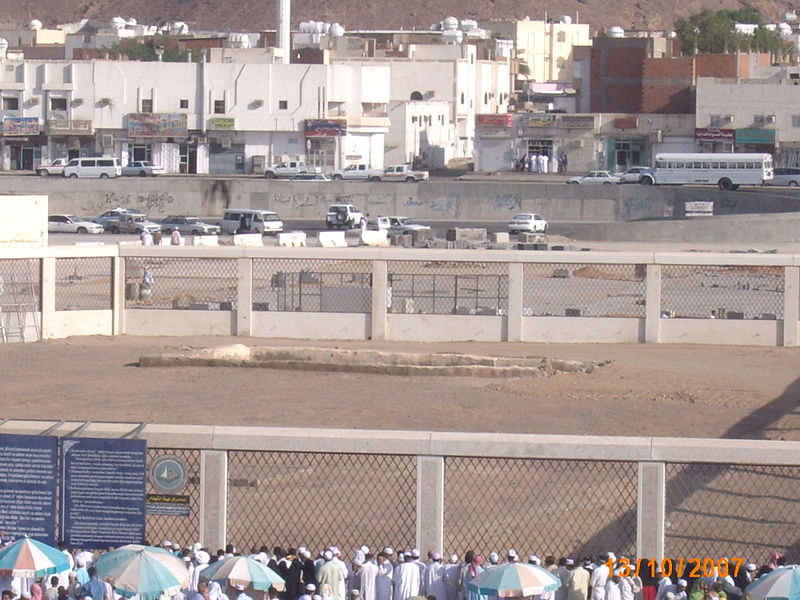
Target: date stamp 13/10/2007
[680,567]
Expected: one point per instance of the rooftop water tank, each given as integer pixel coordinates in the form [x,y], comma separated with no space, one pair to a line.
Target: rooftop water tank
[35,24]
[616,32]
[565,19]
[450,23]
[131,22]
[452,36]
[467,24]
[336,30]
[118,23]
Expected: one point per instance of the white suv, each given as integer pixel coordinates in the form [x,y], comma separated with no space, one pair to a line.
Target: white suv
[344,216]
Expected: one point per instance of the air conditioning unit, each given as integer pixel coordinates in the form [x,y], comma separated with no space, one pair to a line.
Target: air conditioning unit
[258,103]
[34,100]
[77,101]
[105,101]
[202,139]
[107,140]
[770,118]
[729,118]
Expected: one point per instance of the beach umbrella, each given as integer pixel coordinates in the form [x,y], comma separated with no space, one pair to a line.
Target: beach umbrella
[781,584]
[245,571]
[144,570]
[515,580]
[31,558]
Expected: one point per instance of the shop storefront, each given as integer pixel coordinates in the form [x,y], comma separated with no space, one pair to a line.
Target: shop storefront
[714,140]
[323,141]
[22,143]
[69,139]
[156,137]
[755,140]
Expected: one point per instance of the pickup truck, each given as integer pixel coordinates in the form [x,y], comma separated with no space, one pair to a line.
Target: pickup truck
[344,216]
[404,173]
[132,223]
[397,225]
[358,172]
[288,169]
[54,168]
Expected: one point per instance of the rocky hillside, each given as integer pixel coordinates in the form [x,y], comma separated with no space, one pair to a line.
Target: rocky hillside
[353,14]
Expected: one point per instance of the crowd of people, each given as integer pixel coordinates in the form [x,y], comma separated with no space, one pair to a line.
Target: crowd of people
[387,574]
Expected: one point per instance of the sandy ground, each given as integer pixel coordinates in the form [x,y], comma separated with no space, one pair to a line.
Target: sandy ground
[675,390]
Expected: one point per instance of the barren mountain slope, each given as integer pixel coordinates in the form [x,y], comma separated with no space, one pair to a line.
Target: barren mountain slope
[355,14]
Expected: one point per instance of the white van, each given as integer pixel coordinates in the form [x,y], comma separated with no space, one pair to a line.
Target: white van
[251,220]
[93,167]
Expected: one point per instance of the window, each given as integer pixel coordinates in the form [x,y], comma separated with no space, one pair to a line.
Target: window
[561,37]
[716,121]
[58,104]
[147,105]
[10,103]
[283,104]
[219,107]
[416,96]
[795,120]
[759,119]
[184,103]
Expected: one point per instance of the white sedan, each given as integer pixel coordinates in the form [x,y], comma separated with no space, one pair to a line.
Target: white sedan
[71,224]
[142,168]
[528,222]
[604,177]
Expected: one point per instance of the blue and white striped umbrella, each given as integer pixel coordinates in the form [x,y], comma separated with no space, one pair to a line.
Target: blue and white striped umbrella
[30,558]
[781,584]
[143,570]
[515,580]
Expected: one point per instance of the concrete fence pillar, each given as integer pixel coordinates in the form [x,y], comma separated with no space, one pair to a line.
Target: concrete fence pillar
[430,503]
[791,306]
[651,510]
[516,286]
[48,296]
[652,300]
[380,298]
[118,296]
[213,498]
[244,296]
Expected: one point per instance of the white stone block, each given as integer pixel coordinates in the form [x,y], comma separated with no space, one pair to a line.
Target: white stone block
[248,239]
[292,239]
[374,238]
[332,239]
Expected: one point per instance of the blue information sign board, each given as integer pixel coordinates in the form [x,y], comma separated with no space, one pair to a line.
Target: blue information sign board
[28,471]
[103,492]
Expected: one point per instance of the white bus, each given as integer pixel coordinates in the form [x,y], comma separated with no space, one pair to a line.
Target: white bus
[726,170]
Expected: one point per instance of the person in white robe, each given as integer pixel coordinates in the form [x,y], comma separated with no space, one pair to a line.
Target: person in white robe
[201,559]
[613,589]
[451,577]
[434,578]
[598,580]
[367,578]
[577,582]
[383,581]
[330,574]
[407,578]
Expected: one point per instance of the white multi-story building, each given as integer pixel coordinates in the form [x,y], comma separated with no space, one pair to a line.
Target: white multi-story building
[193,117]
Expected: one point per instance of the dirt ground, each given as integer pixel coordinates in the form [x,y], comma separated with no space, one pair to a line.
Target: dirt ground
[669,390]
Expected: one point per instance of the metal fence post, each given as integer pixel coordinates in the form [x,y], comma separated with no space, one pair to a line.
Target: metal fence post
[380,287]
[651,510]
[244,296]
[515,300]
[652,320]
[791,306]
[213,498]
[48,296]
[430,503]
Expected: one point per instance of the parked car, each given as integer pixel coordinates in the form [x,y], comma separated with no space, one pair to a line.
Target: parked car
[265,222]
[637,175]
[113,215]
[71,224]
[310,177]
[591,177]
[188,226]
[786,176]
[288,169]
[404,173]
[399,225]
[142,168]
[54,168]
[344,216]
[132,223]
[94,167]
[528,222]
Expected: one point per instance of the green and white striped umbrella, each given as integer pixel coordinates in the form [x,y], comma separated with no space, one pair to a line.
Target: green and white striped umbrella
[144,570]
[31,558]
[245,571]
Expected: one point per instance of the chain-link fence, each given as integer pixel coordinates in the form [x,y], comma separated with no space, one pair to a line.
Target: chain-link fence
[732,292]
[180,529]
[718,510]
[292,499]
[448,288]
[583,290]
[312,285]
[84,283]
[559,507]
[181,283]
[20,299]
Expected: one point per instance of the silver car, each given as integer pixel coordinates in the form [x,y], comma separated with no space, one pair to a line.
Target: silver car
[789,176]
[528,222]
[71,224]
[636,175]
[188,226]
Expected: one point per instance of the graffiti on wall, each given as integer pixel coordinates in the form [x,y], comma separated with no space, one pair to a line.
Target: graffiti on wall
[144,202]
